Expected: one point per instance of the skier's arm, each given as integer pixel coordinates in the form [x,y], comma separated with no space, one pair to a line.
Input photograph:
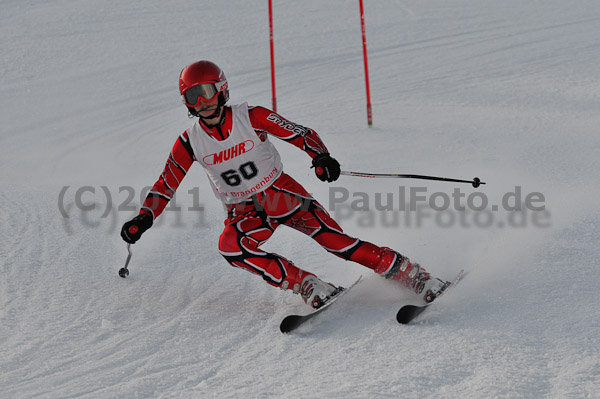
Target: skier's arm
[266,121]
[179,162]
[176,167]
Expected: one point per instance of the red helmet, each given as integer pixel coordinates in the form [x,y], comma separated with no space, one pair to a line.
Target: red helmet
[203,80]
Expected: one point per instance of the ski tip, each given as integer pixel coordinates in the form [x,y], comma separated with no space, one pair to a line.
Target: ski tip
[407,313]
[289,323]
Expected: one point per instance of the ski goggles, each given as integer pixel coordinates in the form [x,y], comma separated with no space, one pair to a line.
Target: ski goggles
[205,92]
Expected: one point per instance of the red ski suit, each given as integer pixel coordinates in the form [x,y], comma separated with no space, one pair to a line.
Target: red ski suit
[285,202]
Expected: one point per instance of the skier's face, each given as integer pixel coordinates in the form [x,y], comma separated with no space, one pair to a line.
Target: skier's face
[210,112]
[207,109]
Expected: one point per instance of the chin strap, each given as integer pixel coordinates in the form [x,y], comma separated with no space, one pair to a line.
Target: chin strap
[221,120]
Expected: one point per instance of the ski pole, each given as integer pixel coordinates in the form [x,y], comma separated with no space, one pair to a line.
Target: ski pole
[476,182]
[124,272]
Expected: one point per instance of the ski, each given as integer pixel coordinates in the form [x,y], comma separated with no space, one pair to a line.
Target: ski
[408,313]
[290,323]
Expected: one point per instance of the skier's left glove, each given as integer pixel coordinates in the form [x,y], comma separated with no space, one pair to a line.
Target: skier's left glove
[326,167]
[133,230]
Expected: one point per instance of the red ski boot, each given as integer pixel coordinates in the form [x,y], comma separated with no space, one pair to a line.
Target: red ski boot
[313,290]
[316,292]
[413,276]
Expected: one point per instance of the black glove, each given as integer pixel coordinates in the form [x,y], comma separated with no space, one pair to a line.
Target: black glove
[326,168]
[133,230]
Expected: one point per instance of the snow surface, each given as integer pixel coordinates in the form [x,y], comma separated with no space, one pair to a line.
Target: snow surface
[508,91]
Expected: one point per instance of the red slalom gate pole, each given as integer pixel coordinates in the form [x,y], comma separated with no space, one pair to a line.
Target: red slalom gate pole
[364,41]
[272,55]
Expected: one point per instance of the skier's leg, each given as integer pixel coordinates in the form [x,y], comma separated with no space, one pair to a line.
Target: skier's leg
[287,202]
[245,230]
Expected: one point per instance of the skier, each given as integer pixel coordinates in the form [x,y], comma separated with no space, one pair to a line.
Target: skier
[246,173]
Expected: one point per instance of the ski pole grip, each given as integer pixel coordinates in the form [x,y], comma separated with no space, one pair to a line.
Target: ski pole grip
[133,229]
[319,171]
